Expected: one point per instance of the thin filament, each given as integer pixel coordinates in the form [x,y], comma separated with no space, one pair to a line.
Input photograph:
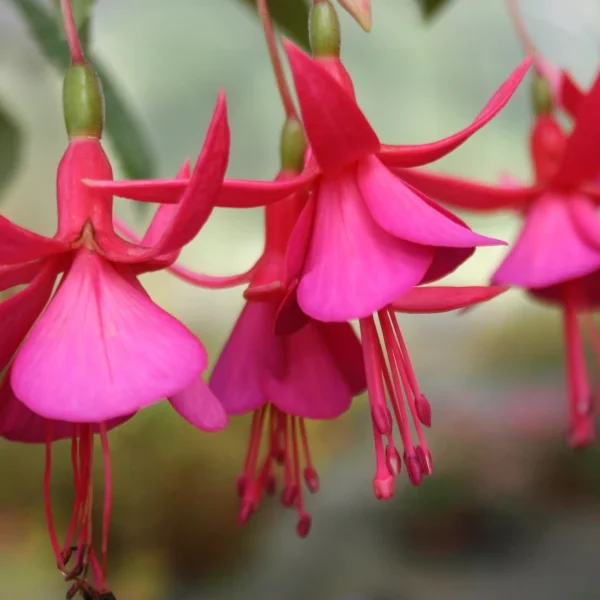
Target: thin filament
[519,24]
[47,497]
[107,496]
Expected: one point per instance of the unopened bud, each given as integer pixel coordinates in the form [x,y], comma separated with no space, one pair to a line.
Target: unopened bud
[324,30]
[293,146]
[83,102]
[541,95]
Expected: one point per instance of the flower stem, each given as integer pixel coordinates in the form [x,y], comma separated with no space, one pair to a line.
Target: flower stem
[284,90]
[71,32]
[519,24]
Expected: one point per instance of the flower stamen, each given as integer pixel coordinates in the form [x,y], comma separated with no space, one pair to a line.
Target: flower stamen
[286,445]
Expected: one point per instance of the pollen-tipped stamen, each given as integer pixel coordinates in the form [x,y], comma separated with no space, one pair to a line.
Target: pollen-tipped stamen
[286,445]
[392,381]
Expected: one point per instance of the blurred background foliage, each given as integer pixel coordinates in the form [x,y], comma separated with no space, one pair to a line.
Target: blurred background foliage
[510,511]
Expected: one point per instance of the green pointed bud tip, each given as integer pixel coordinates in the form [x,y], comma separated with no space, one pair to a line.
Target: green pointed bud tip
[83,102]
[541,95]
[293,146]
[324,30]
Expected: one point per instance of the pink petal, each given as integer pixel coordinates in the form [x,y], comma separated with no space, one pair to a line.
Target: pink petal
[419,155]
[403,214]
[312,385]
[585,218]
[102,349]
[299,241]
[445,298]
[549,249]
[354,267]
[470,195]
[346,351]
[19,245]
[19,312]
[238,375]
[588,292]
[581,159]
[445,260]
[200,407]
[337,130]
[19,424]
[289,317]
[19,274]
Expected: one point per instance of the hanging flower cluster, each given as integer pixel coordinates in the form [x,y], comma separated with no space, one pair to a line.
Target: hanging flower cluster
[352,233]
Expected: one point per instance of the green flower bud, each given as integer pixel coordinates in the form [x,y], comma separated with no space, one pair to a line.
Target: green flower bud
[293,146]
[541,96]
[324,30]
[83,102]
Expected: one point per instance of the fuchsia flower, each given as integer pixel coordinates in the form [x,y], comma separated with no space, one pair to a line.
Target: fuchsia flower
[310,373]
[557,254]
[101,349]
[363,239]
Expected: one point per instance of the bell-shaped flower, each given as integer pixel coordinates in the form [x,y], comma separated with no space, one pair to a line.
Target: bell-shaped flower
[557,254]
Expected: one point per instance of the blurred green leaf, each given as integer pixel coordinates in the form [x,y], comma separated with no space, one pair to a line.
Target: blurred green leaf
[123,127]
[291,16]
[11,142]
[430,8]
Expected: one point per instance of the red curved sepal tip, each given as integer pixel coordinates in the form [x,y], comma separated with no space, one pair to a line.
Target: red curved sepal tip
[422,154]
[437,299]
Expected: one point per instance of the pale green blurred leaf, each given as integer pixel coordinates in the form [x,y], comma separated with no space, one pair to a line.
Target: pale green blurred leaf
[291,16]
[10,146]
[430,8]
[126,133]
